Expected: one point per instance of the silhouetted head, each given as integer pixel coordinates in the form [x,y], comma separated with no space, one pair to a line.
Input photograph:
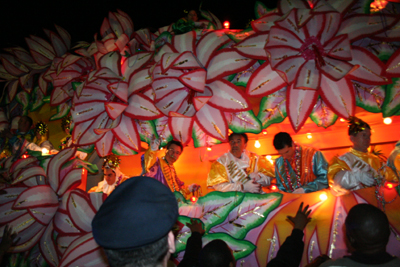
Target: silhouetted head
[216,254]
[367,228]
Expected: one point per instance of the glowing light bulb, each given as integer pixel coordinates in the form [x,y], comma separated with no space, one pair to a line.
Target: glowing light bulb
[274,187]
[209,148]
[389,185]
[257,144]
[226,24]
[268,157]
[193,199]
[45,151]
[161,148]
[323,197]
[309,135]
[264,132]
[24,156]
[387,121]
[342,120]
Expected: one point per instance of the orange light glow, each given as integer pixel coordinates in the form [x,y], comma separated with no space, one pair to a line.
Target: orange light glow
[274,187]
[323,197]
[378,5]
[342,120]
[24,156]
[389,185]
[209,148]
[311,4]
[257,144]
[193,199]
[309,136]
[226,24]
[387,121]
[264,132]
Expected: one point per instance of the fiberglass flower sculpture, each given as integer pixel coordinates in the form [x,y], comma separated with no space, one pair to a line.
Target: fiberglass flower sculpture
[308,49]
[109,104]
[189,84]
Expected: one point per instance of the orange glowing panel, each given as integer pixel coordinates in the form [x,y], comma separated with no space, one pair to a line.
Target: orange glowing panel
[226,24]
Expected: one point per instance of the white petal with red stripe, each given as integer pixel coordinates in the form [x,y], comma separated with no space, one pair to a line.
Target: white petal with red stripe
[213,122]
[264,81]
[299,106]
[308,76]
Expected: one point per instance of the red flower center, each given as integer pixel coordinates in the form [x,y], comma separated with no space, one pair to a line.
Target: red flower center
[312,49]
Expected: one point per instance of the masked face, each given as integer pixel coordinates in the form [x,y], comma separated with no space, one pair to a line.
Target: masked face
[286,152]
[362,140]
[237,144]
[173,153]
[109,176]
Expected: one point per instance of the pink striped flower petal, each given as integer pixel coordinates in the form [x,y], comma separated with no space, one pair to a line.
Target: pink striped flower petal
[308,76]
[253,46]
[48,247]
[55,164]
[139,81]
[71,180]
[212,121]
[141,108]
[264,81]
[63,224]
[209,44]
[43,215]
[228,97]
[80,210]
[194,79]
[164,86]
[226,62]
[339,96]
[84,251]
[336,69]
[185,42]
[127,133]
[371,70]
[172,101]
[38,196]
[180,127]
[104,145]
[27,173]
[8,214]
[120,90]
[299,106]
[393,65]
[265,23]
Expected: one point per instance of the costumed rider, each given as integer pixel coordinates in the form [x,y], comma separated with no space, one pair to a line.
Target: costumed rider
[112,176]
[239,169]
[41,139]
[299,169]
[66,142]
[187,23]
[162,168]
[19,140]
[394,160]
[357,168]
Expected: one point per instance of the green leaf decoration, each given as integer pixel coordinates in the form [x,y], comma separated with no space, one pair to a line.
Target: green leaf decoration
[260,9]
[240,248]
[249,214]
[391,105]
[38,99]
[146,130]
[62,111]
[200,138]
[180,199]
[23,98]
[162,39]
[238,36]
[242,78]
[120,149]
[213,208]
[323,116]
[91,168]
[184,234]
[163,130]
[369,97]
[46,99]
[86,149]
[243,122]
[273,108]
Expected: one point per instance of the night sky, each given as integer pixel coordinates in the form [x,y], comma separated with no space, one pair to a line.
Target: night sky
[82,19]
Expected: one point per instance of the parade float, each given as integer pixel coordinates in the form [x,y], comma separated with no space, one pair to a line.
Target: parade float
[301,68]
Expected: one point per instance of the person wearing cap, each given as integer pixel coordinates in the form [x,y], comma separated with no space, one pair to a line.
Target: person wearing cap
[239,169]
[142,212]
[299,169]
[112,176]
[357,168]
[162,168]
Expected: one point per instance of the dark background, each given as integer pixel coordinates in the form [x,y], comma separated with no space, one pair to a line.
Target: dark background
[82,19]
